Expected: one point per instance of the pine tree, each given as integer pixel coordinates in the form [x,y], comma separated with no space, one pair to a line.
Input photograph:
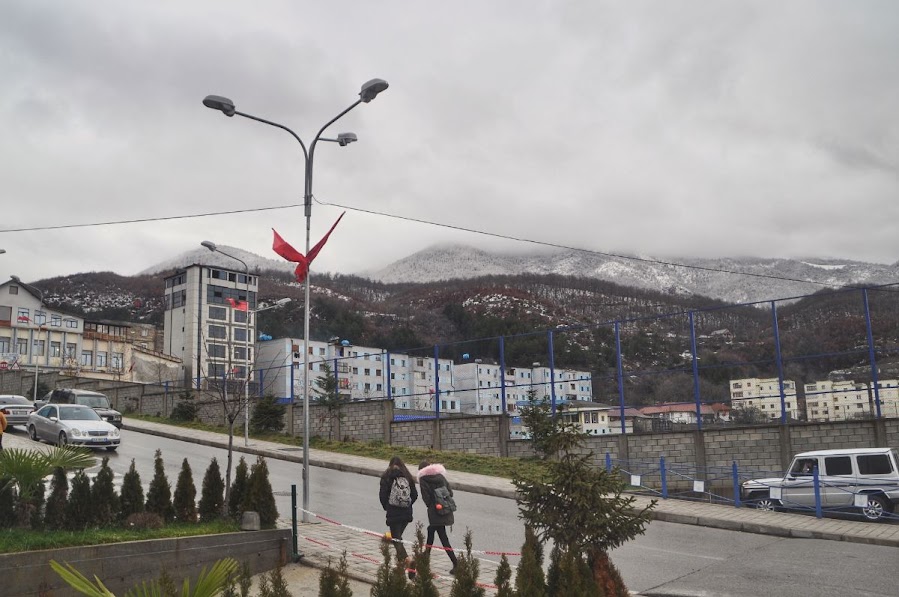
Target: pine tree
[78,507]
[238,488]
[212,494]
[467,571]
[259,497]
[530,581]
[423,584]
[55,511]
[333,582]
[131,500]
[268,416]
[572,577]
[391,579]
[185,495]
[39,494]
[104,501]
[503,578]
[7,503]
[159,495]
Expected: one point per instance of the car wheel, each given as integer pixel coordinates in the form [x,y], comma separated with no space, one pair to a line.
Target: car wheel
[764,502]
[112,448]
[32,433]
[63,439]
[876,508]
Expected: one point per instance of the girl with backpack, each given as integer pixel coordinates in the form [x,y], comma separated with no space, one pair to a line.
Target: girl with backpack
[397,495]
[437,494]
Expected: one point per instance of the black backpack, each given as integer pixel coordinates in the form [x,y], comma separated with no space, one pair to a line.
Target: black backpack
[443,497]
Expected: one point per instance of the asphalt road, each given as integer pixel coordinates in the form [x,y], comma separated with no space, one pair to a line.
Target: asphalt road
[670,559]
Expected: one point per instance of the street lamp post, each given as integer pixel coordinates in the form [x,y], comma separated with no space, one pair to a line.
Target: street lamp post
[369,91]
[18,281]
[246,386]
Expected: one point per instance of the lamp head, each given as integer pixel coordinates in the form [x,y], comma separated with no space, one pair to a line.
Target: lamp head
[209,245]
[282,301]
[222,104]
[344,139]
[2,251]
[16,279]
[371,89]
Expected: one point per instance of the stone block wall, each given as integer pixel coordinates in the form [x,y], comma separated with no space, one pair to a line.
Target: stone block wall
[756,448]
[414,434]
[474,434]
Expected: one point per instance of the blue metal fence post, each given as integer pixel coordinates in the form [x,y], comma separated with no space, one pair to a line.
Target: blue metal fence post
[696,395]
[552,371]
[502,373]
[608,462]
[663,473]
[620,375]
[389,379]
[437,381]
[736,476]
[871,357]
[817,481]
[780,365]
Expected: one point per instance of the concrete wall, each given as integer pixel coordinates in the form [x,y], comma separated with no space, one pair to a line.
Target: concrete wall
[123,565]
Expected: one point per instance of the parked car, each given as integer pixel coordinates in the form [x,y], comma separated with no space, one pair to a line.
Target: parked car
[16,408]
[863,479]
[72,424]
[95,400]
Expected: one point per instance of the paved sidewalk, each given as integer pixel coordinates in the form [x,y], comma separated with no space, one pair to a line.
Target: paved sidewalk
[322,540]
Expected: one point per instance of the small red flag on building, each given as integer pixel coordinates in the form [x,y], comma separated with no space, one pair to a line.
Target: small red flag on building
[285,250]
[239,305]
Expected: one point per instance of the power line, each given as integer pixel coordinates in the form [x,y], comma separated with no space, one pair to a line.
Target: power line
[420,221]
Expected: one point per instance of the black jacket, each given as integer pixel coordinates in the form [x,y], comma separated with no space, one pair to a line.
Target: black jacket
[429,478]
[396,514]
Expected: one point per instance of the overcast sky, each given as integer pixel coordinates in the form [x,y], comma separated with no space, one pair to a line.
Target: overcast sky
[707,129]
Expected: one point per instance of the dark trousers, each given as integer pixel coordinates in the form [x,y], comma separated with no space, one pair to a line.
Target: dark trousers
[396,531]
[441,532]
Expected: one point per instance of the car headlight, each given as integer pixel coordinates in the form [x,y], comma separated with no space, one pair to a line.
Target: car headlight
[76,432]
[113,432]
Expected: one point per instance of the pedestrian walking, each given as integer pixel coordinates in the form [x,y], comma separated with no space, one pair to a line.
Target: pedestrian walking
[397,494]
[437,494]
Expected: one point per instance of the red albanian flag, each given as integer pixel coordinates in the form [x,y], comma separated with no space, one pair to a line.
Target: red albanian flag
[282,248]
[239,305]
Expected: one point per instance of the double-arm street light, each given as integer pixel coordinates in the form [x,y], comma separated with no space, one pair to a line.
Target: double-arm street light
[18,281]
[369,91]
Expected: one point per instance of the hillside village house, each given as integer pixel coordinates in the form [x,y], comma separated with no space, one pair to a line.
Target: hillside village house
[33,334]
[590,417]
[764,395]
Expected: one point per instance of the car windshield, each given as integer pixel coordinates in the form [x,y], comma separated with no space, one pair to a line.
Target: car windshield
[14,400]
[97,401]
[78,414]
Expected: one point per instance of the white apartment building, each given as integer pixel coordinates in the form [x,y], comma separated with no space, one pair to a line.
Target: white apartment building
[888,392]
[33,334]
[203,327]
[764,394]
[479,386]
[836,400]
[362,373]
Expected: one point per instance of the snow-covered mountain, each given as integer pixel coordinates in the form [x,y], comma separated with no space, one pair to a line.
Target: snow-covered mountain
[735,280]
[204,256]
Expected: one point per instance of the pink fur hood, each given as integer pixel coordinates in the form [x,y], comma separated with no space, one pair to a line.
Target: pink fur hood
[432,469]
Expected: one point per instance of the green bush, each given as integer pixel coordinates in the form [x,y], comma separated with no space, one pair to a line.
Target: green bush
[530,580]
[503,578]
[391,579]
[238,488]
[144,521]
[259,496]
[467,570]
[212,496]
[268,416]
[131,500]
[185,409]
[7,503]
[333,582]
[78,507]
[185,503]
[104,501]
[159,495]
[55,511]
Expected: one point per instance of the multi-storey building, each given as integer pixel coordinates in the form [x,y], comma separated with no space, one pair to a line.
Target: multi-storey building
[888,393]
[764,395]
[207,310]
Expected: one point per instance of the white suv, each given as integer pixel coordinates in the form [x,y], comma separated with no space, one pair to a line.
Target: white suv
[866,479]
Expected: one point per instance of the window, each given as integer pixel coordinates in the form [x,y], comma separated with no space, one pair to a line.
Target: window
[240,334]
[4,345]
[240,316]
[219,313]
[355,370]
[40,317]
[55,320]
[874,464]
[72,323]
[87,358]
[38,348]
[101,358]
[240,353]
[14,290]
[118,360]
[216,351]
[838,465]
[218,332]
[22,346]
[368,372]
[70,350]
[378,372]
[24,315]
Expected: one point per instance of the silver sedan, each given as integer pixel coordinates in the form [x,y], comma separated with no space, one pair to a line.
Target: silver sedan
[16,408]
[72,424]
